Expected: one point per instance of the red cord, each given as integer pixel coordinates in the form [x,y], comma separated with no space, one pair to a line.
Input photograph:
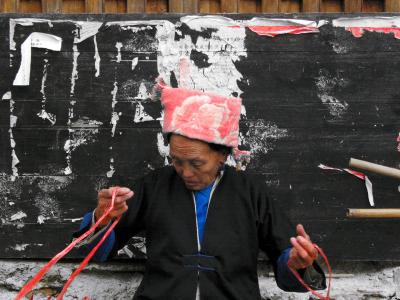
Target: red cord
[28,287]
[320,296]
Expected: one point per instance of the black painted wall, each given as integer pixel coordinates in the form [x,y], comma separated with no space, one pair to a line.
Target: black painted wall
[284,83]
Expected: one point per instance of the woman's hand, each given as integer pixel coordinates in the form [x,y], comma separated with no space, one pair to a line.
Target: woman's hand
[303,252]
[104,202]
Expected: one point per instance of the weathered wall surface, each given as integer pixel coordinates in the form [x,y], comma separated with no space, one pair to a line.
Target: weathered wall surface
[76,114]
[351,281]
[81,118]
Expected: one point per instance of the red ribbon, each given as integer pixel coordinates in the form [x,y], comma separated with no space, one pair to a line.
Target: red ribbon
[28,287]
[315,293]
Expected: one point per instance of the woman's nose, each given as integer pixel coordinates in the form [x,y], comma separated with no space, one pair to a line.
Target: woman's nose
[187,172]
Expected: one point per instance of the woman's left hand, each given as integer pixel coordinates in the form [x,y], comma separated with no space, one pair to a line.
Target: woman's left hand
[303,252]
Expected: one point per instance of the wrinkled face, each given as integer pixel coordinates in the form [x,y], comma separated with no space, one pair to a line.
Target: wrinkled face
[195,162]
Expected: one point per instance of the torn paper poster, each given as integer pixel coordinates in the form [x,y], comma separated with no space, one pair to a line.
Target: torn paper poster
[262,26]
[362,176]
[274,27]
[86,30]
[357,26]
[36,40]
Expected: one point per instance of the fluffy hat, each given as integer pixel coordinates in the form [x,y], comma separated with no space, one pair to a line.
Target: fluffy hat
[199,115]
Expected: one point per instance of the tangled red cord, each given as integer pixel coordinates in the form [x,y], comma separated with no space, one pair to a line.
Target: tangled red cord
[29,286]
[315,293]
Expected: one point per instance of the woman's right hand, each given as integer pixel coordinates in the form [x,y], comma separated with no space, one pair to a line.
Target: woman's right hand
[104,202]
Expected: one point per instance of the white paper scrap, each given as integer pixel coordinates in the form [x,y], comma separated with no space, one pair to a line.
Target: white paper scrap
[37,40]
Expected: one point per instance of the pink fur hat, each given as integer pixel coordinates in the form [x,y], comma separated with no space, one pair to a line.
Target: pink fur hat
[199,115]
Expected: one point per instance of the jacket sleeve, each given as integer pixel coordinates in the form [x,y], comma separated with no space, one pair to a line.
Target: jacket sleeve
[274,230]
[132,221]
[312,275]
[86,245]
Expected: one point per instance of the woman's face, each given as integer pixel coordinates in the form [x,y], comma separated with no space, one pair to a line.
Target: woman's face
[194,161]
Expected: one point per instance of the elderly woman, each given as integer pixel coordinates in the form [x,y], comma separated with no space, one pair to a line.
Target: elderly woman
[204,221]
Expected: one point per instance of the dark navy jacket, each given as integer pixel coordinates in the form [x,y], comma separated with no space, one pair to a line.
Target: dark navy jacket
[241,220]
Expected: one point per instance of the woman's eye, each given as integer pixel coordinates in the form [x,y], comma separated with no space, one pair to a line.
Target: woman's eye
[197,164]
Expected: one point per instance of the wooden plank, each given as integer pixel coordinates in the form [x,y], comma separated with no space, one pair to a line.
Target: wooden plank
[94,6]
[289,6]
[331,6]
[175,6]
[191,6]
[9,6]
[351,6]
[311,5]
[52,6]
[31,6]
[136,6]
[392,5]
[115,6]
[248,6]
[370,6]
[157,6]
[270,6]
[229,6]
[210,6]
[73,6]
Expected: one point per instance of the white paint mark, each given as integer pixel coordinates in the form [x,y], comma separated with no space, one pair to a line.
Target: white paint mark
[78,138]
[74,75]
[67,170]
[162,148]
[14,159]
[74,220]
[111,172]
[118,45]
[325,85]
[261,136]
[20,247]
[19,215]
[11,203]
[114,94]
[114,114]
[141,115]
[41,219]
[338,48]
[47,116]
[13,119]
[6,96]
[143,94]
[135,61]
[96,57]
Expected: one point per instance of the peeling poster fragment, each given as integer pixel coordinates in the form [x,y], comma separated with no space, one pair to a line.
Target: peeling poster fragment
[36,40]
[357,26]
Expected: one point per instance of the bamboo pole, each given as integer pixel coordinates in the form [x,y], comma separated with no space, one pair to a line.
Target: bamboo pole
[373,213]
[374,168]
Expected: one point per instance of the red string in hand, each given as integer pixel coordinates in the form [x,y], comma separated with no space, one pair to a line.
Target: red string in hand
[28,287]
[315,293]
